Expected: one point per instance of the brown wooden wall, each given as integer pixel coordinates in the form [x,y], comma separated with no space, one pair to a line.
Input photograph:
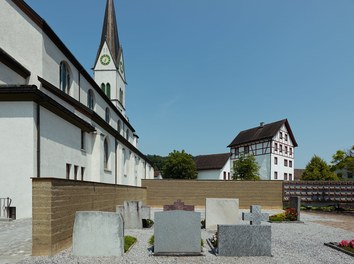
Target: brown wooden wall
[55,201]
[268,194]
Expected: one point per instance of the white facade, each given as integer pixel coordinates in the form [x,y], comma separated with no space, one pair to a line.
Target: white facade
[273,153]
[216,174]
[50,131]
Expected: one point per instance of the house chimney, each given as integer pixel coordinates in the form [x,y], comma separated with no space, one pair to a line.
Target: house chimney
[261,124]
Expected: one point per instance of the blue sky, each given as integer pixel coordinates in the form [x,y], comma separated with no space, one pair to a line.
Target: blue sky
[200,71]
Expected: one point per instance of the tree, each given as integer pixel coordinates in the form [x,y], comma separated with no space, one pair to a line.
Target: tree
[157,161]
[318,170]
[343,160]
[246,168]
[179,165]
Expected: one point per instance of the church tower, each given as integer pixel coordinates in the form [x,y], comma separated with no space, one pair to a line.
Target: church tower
[109,71]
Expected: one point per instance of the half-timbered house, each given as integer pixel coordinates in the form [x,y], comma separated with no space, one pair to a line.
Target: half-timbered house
[273,147]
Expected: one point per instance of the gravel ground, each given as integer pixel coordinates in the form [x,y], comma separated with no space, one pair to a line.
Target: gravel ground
[291,243]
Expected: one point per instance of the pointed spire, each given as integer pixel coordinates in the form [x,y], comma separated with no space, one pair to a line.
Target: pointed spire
[110,33]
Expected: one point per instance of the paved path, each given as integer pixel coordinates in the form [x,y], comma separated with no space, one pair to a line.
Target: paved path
[16,241]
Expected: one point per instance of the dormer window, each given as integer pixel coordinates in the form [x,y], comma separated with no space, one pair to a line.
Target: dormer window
[65,79]
[90,100]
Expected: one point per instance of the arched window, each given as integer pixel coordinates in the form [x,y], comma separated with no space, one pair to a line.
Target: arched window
[108,90]
[105,153]
[119,126]
[108,115]
[90,100]
[127,134]
[121,96]
[103,87]
[65,79]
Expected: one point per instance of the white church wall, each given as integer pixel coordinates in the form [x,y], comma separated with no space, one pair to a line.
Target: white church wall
[18,163]
[60,145]
[19,29]
[8,76]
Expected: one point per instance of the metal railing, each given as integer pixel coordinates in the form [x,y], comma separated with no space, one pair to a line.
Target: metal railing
[4,205]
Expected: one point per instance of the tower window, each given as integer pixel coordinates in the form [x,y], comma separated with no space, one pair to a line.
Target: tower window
[119,126]
[82,140]
[108,90]
[108,115]
[103,87]
[64,77]
[90,100]
[121,96]
[127,134]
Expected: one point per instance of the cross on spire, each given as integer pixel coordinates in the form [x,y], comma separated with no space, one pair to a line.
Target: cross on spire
[255,216]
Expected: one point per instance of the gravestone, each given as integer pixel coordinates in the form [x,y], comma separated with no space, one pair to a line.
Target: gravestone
[133,213]
[255,216]
[177,233]
[221,211]
[178,205]
[246,240]
[98,234]
[295,202]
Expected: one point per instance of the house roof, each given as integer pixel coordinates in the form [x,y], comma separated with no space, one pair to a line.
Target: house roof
[211,162]
[262,132]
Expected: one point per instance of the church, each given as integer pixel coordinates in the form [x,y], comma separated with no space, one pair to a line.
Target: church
[55,119]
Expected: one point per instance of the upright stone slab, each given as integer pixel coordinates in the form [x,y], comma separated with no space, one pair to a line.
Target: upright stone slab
[244,240]
[295,202]
[133,213]
[220,211]
[177,233]
[98,234]
[178,205]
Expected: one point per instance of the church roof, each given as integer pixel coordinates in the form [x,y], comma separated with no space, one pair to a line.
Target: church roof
[211,162]
[110,33]
[262,132]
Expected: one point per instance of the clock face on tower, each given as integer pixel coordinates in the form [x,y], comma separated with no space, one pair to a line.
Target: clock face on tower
[105,59]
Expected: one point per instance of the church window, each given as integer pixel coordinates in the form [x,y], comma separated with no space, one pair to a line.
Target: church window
[121,96]
[127,134]
[119,126]
[68,169]
[82,173]
[105,153]
[108,115]
[90,100]
[82,140]
[76,170]
[103,87]
[108,90]
[64,77]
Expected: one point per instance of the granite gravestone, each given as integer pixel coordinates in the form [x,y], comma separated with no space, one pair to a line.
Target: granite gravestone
[221,211]
[98,234]
[177,233]
[178,205]
[246,240]
[295,202]
[133,213]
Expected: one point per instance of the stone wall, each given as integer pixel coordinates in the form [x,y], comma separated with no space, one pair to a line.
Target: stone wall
[268,194]
[55,201]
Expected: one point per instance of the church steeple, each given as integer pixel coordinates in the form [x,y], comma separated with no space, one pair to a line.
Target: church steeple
[110,34]
[109,70]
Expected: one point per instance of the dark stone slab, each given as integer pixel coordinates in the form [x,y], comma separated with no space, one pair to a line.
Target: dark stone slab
[295,202]
[244,240]
[178,205]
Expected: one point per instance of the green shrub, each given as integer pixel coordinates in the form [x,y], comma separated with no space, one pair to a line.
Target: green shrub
[128,242]
[151,240]
[277,218]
